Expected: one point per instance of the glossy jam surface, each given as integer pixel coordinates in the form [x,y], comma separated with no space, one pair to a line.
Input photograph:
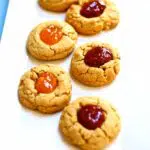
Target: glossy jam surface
[91,116]
[98,56]
[92,9]
[46,83]
[51,35]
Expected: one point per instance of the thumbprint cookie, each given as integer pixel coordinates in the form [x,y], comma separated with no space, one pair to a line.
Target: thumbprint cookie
[56,5]
[51,40]
[46,88]
[93,16]
[95,64]
[90,123]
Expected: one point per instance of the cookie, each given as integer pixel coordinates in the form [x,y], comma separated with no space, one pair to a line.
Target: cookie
[95,64]
[51,40]
[90,123]
[56,5]
[46,88]
[93,16]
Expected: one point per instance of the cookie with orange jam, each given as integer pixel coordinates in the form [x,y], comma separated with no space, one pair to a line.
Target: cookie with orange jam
[46,88]
[93,16]
[95,64]
[90,123]
[56,5]
[51,40]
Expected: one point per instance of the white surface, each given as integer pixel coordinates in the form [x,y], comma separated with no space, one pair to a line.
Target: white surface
[22,129]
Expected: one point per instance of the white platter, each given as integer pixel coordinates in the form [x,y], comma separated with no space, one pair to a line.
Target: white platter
[22,129]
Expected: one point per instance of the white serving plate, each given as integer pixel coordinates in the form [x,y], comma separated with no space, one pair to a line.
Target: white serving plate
[22,129]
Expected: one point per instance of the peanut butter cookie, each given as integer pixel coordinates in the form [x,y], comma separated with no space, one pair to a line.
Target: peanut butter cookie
[46,88]
[93,16]
[95,64]
[90,123]
[56,5]
[51,40]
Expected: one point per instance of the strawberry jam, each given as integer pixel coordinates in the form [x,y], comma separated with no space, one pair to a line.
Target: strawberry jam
[51,35]
[91,116]
[97,57]
[46,83]
[92,9]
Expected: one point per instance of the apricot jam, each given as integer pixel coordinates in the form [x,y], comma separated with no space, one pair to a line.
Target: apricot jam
[51,35]
[46,83]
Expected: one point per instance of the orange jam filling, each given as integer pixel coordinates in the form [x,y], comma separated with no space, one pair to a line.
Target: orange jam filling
[51,35]
[46,83]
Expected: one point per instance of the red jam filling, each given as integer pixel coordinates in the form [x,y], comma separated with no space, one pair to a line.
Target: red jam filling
[97,57]
[92,9]
[46,83]
[51,35]
[91,116]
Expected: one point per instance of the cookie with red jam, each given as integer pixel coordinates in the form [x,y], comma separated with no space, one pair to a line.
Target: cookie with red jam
[90,123]
[56,5]
[93,16]
[95,64]
[51,40]
[46,88]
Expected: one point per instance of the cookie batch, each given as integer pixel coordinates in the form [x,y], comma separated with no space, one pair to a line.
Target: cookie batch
[89,123]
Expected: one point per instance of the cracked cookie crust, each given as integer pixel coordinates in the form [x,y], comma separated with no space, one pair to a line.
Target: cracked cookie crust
[94,76]
[45,102]
[109,19]
[87,139]
[40,50]
[56,5]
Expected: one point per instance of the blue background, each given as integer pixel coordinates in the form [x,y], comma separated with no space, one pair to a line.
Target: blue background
[3,10]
